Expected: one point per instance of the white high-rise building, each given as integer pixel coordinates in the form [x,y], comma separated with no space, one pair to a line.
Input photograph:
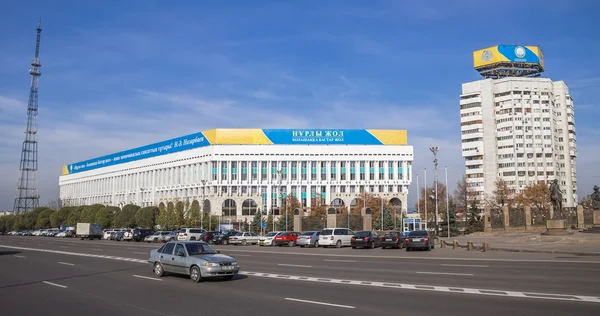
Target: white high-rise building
[519,129]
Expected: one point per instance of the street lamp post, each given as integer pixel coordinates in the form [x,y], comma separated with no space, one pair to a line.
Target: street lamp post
[202,213]
[447,201]
[435,151]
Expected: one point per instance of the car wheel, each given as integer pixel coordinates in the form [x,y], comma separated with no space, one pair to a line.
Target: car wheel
[158,269]
[225,242]
[291,243]
[338,244]
[353,247]
[193,238]
[210,242]
[372,245]
[195,274]
[408,249]
[243,242]
[316,244]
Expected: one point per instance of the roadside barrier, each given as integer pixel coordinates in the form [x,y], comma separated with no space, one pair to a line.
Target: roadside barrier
[469,246]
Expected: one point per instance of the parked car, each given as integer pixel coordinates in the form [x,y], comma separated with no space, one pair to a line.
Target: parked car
[337,237]
[310,239]
[194,258]
[267,240]
[243,239]
[365,239]
[419,239]
[286,238]
[223,238]
[190,234]
[163,236]
[393,239]
[208,236]
[138,234]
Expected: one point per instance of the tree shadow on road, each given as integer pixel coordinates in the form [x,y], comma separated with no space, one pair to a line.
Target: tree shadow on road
[8,252]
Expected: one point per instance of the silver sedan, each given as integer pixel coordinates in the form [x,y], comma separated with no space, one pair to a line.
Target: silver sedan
[194,258]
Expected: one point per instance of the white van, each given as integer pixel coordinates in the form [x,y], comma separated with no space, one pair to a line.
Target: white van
[338,237]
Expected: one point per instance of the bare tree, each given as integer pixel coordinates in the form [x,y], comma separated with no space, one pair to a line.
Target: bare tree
[462,195]
[54,204]
[503,195]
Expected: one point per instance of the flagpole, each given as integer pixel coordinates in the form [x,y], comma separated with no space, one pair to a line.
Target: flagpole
[447,201]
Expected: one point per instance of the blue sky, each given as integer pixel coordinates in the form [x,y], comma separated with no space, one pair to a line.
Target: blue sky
[119,74]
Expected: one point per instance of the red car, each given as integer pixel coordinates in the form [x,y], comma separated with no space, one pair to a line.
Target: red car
[286,238]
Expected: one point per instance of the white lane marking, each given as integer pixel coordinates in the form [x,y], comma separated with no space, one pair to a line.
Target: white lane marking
[63,246]
[145,277]
[318,303]
[444,273]
[17,256]
[465,265]
[54,284]
[416,287]
[456,290]
[242,255]
[410,258]
[332,260]
[293,265]
[141,253]
[66,263]
[95,249]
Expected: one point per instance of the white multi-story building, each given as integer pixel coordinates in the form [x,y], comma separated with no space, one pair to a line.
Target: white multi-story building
[234,172]
[521,130]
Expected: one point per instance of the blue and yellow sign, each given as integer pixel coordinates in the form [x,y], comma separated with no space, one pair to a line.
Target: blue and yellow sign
[508,54]
[246,137]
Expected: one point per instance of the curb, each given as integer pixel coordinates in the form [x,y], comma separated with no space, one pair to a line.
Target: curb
[588,254]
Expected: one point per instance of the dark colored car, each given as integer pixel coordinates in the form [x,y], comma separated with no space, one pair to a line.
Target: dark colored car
[365,239]
[393,239]
[139,234]
[208,237]
[419,239]
[286,238]
[224,237]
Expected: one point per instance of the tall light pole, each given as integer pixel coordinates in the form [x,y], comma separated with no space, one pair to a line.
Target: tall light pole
[279,176]
[381,199]
[203,210]
[435,151]
[426,197]
[447,201]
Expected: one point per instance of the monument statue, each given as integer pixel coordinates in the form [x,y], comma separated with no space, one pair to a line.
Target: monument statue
[596,199]
[556,197]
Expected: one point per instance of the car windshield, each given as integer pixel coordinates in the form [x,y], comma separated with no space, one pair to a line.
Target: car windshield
[363,233]
[195,249]
[271,234]
[239,234]
[391,234]
[327,232]
[418,233]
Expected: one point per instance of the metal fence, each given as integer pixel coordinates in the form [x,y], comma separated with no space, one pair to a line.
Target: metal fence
[497,217]
[356,222]
[310,223]
[516,217]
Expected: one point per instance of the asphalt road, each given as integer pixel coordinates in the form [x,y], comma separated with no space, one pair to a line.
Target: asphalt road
[44,279]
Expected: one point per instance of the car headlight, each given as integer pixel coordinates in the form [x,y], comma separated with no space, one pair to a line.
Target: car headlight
[234,263]
[210,264]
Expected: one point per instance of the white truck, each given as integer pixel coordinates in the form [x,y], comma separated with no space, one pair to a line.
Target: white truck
[89,231]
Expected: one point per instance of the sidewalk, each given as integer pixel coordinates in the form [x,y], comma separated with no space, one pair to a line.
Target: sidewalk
[576,244]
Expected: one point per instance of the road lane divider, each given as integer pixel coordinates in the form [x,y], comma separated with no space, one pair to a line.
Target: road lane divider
[401,286]
[317,303]
[54,284]
[465,265]
[66,263]
[333,260]
[431,288]
[293,265]
[445,273]
[18,256]
[145,277]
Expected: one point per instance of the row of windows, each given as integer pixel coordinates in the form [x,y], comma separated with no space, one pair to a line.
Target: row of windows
[199,172]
